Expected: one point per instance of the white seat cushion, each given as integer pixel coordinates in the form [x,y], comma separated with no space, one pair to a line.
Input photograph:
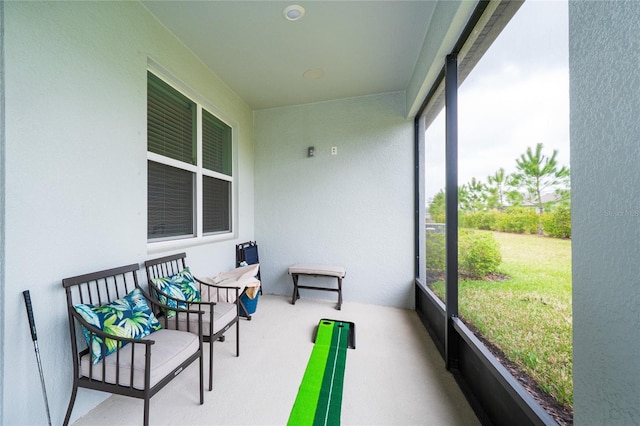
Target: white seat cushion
[315,269]
[171,348]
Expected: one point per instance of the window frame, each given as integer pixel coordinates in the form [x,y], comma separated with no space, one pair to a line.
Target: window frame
[480,374]
[198,170]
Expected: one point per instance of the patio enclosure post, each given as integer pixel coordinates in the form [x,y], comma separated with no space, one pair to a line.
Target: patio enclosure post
[451,226]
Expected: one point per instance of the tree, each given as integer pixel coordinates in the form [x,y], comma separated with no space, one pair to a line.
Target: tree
[538,173]
[464,200]
[476,195]
[503,190]
[497,183]
[437,207]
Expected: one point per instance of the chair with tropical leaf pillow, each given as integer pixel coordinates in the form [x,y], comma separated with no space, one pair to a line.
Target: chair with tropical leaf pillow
[129,350]
[172,283]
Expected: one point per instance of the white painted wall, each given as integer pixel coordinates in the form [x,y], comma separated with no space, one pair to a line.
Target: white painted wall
[354,209]
[605,109]
[76,173]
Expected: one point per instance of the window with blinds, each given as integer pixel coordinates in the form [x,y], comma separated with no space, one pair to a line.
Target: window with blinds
[171,121]
[216,144]
[188,189]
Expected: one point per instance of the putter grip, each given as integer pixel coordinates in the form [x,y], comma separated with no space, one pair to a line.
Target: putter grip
[32,323]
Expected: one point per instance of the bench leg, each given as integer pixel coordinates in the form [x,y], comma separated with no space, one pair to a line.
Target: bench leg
[296,294]
[339,293]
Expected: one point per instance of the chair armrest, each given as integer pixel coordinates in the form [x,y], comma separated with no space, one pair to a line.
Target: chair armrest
[101,333]
[166,307]
[215,290]
[216,285]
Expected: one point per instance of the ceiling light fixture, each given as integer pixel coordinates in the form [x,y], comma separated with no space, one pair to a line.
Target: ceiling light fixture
[293,12]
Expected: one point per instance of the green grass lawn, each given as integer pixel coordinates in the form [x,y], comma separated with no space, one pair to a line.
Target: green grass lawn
[528,316]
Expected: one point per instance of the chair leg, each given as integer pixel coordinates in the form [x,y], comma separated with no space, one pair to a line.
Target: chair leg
[238,338]
[146,410]
[210,364]
[72,401]
[244,310]
[201,375]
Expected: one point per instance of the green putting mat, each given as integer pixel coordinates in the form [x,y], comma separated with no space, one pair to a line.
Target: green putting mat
[319,399]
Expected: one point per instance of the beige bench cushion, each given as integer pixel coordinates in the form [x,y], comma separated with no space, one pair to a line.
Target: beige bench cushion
[171,348]
[315,269]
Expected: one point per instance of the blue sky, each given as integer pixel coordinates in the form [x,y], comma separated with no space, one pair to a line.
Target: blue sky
[517,96]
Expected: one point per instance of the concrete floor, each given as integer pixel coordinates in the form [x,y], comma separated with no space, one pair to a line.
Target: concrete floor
[395,376]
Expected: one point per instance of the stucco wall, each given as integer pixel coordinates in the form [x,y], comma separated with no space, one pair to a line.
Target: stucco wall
[76,173]
[604,40]
[353,209]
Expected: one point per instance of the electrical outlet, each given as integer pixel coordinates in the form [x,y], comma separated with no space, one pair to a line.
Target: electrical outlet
[334,150]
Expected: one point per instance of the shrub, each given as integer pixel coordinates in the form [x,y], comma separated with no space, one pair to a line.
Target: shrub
[520,220]
[485,219]
[557,223]
[479,254]
[469,219]
[489,220]
[436,251]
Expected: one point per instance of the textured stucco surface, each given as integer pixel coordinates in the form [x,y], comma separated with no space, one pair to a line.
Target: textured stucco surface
[605,134]
[76,173]
[353,209]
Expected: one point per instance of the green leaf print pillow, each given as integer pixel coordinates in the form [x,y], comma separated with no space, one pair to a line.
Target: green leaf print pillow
[181,286]
[127,317]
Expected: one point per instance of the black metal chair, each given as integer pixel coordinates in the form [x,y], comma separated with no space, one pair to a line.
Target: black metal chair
[218,316]
[137,367]
[248,252]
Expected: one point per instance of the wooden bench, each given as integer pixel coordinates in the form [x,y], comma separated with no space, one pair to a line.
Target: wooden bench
[316,270]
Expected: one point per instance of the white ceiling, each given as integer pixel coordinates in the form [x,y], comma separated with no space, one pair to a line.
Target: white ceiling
[363,47]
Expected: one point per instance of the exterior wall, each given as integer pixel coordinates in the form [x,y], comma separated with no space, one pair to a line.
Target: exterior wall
[2,203]
[76,173]
[354,209]
[605,106]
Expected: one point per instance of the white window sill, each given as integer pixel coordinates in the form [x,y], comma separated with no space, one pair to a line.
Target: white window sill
[169,245]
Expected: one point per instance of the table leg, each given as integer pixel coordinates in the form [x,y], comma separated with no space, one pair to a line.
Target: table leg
[296,295]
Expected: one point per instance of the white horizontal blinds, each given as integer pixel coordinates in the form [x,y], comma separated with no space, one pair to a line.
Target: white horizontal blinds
[216,144]
[216,205]
[171,121]
[170,199]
